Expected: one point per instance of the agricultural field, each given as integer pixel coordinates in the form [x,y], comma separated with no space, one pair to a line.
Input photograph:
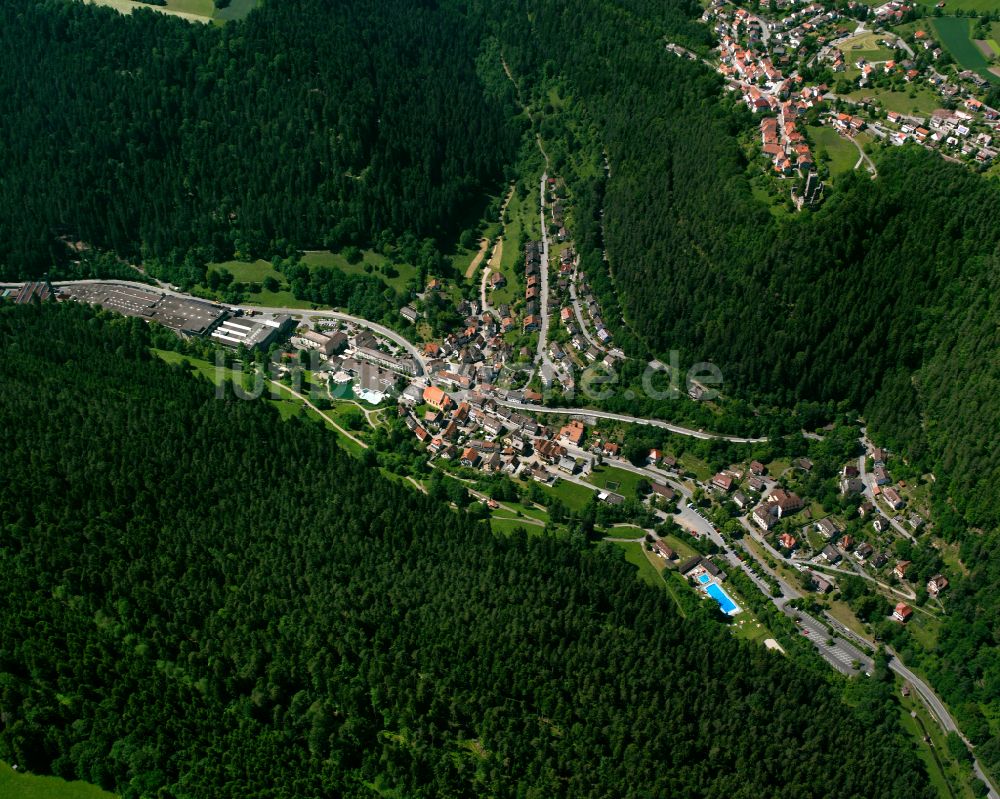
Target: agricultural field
[954,34]
[203,11]
[27,786]
[964,5]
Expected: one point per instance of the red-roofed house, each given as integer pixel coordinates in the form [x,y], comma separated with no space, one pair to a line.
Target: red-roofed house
[723,481]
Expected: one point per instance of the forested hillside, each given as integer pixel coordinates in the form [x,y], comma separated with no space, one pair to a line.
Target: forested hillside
[884,301]
[861,302]
[203,601]
[313,123]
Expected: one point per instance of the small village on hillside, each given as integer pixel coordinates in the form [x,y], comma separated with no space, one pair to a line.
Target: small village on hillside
[816,72]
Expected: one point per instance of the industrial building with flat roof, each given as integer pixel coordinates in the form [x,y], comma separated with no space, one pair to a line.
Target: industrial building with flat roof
[252,332]
[187,316]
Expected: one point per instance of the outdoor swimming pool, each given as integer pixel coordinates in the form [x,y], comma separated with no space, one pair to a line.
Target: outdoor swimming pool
[725,601]
[704,579]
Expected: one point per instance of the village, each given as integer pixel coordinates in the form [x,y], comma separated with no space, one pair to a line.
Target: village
[473,404]
[803,66]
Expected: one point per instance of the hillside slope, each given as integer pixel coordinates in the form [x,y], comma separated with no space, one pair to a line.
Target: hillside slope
[204,601]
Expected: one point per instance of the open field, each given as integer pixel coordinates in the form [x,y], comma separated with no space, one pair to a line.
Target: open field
[954,32]
[965,5]
[617,480]
[865,46]
[191,10]
[247,272]
[28,786]
[923,102]
[287,405]
[378,263]
[237,9]
[573,495]
[843,154]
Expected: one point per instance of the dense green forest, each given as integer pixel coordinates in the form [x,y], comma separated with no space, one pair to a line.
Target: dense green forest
[313,123]
[203,601]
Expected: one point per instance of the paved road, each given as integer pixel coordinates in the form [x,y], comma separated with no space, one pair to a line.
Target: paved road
[939,711]
[869,494]
[593,414]
[575,300]
[903,593]
[307,315]
[305,399]
[548,369]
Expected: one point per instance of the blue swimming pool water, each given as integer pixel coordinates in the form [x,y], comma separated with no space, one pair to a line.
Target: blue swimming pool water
[725,601]
[704,578]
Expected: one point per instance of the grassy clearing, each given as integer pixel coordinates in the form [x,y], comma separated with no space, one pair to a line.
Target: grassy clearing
[530,511]
[965,5]
[699,468]
[201,8]
[173,8]
[746,626]
[842,613]
[636,554]
[28,786]
[506,526]
[248,272]
[918,99]
[954,34]
[399,274]
[396,276]
[617,480]
[842,154]
[573,495]
[198,366]
[522,227]
[628,532]
[237,9]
